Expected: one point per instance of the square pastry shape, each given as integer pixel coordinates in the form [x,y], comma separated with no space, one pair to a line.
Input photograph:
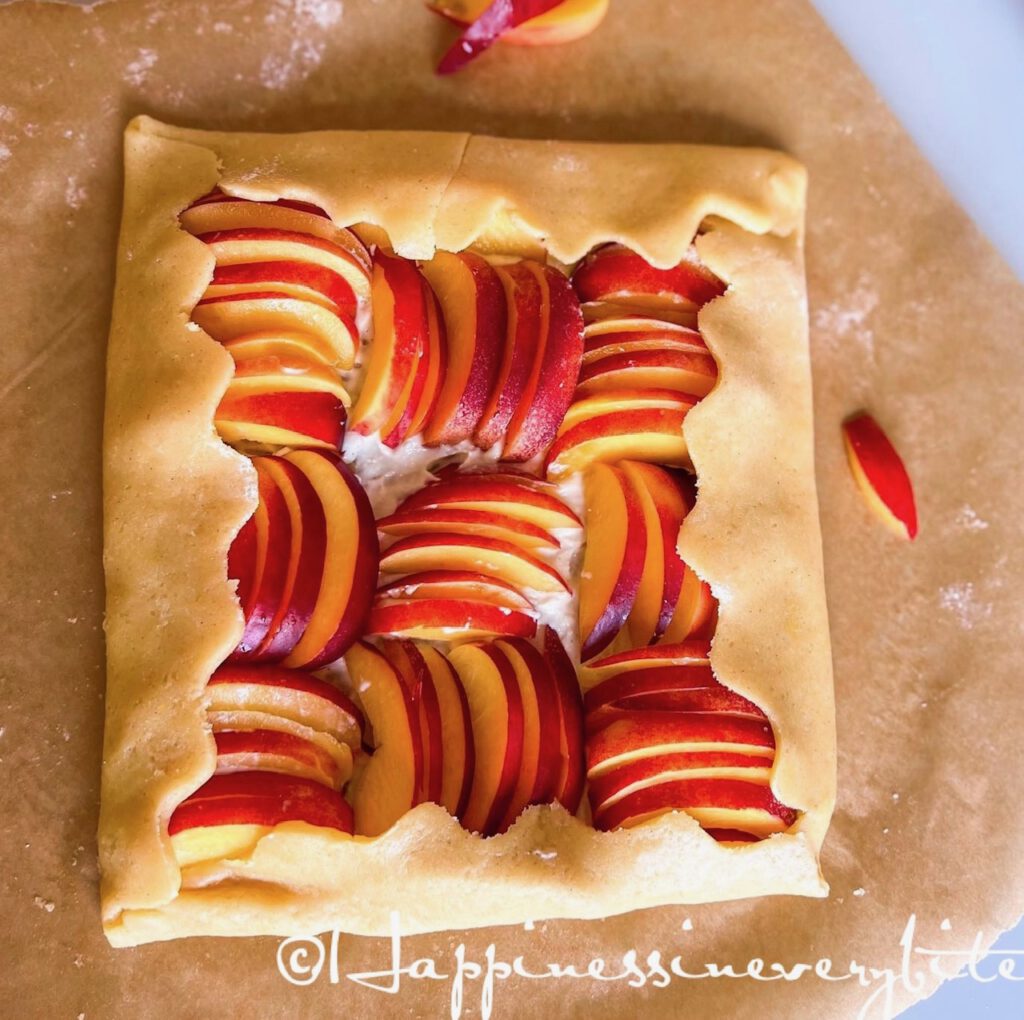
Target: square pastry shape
[176,496]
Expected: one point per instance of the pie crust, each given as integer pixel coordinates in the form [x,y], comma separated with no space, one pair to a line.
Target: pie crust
[175,496]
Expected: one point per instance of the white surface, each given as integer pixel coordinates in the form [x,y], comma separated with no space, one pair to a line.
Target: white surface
[953,72]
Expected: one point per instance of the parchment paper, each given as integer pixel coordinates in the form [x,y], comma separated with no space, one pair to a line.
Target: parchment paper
[912,314]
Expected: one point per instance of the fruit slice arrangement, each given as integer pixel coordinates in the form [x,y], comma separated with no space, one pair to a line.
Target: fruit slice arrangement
[470,699]
[471,549]
[644,365]
[635,588]
[286,291]
[663,734]
[467,351]
[285,743]
[486,731]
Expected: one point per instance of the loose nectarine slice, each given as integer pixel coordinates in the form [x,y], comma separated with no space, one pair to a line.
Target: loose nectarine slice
[503,560]
[470,522]
[613,558]
[447,619]
[305,560]
[458,755]
[519,498]
[350,561]
[523,300]
[472,301]
[233,315]
[564,22]
[646,434]
[880,474]
[229,813]
[274,751]
[496,711]
[399,341]
[389,784]
[493,21]
[456,584]
[289,694]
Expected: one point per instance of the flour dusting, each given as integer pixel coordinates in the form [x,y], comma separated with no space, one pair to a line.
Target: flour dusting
[138,70]
[961,600]
[968,519]
[5,152]
[306,17]
[849,319]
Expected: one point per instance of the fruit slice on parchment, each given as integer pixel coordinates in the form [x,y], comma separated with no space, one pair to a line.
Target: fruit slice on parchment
[880,474]
[520,22]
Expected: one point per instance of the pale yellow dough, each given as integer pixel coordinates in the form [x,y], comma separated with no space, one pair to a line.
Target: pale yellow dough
[175,495]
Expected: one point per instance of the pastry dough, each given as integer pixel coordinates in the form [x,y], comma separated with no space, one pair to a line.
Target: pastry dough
[175,495]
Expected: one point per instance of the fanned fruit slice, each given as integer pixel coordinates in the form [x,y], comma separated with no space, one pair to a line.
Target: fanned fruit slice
[472,301]
[616,274]
[282,394]
[663,734]
[231,812]
[392,780]
[401,342]
[306,563]
[635,587]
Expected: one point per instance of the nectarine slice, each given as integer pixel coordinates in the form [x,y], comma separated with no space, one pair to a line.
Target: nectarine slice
[541,765]
[274,751]
[270,571]
[496,712]
[263,799]
[614,272]
[880,474]
[733,803]
[447,619]
[305,560]
[619,401]
[233,315]
[647,434]
[350,561]
[274,420]
[572,775]
[456,584]
[613,560]
[222,213]
[515,497]
[458,755]
[472,302]
[288,693]
[282,373]
[564,22]
[389,784]
[492,556]
[292,347]
[399,341]
[666,368]
[470,522]
[296,279]
[644,733]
